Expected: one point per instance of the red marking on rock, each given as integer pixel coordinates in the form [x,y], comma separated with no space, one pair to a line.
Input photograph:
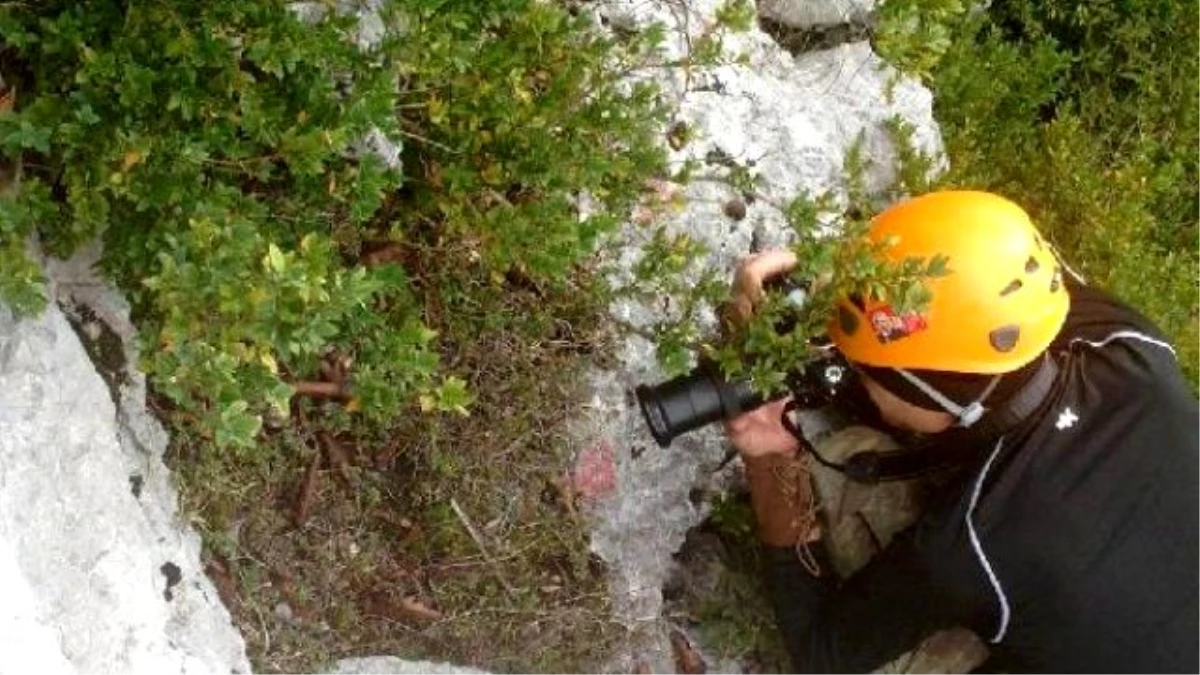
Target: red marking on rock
[595,472]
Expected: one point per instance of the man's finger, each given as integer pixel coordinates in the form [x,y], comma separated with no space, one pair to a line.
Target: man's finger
[757,268]
[771,263]
[773,411]
[742,308]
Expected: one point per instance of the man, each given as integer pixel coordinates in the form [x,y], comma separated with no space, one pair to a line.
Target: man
[1071,542]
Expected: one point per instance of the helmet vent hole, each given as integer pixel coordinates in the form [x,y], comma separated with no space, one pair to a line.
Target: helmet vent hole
[847,321]
[1031,265]
[1012,287]
[1056,280]
[1003,339]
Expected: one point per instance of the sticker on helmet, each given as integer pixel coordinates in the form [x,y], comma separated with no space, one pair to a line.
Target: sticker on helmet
[890,326]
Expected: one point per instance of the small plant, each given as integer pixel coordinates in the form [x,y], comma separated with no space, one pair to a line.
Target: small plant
[915,35]
[305,307]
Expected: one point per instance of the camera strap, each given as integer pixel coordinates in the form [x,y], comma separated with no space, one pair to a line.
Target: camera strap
[951,447]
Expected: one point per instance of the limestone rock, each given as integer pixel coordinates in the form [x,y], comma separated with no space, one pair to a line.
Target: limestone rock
[390,665]
[805,14]
[790,120]
[97,576]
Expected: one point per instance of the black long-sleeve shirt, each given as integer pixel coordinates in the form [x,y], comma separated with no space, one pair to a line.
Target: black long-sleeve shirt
[1071,546]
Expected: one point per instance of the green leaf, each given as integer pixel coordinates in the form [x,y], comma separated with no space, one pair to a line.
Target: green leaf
[22,286]
[452,396]
[274,260]
[237,427]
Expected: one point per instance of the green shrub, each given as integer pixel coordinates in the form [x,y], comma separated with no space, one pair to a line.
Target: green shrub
[214,148]
[914,35]
[1086,113]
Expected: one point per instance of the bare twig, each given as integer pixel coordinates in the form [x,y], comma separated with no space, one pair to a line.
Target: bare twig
[337,458]
[262,622]
[462,517]
[320,389]
[429,141]
[695,346]
[218,570]
[414,608]
[308,489]
[758,196]
[687,659]
[331,372]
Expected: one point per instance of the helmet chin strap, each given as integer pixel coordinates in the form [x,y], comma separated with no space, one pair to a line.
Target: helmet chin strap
[966,415]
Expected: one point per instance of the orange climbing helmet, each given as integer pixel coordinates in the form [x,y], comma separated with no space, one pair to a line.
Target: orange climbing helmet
[1000,305]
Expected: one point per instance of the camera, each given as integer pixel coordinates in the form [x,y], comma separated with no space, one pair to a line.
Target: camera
[704,395]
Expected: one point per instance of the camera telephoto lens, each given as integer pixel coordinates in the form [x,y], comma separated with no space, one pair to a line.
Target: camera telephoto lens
[693,400]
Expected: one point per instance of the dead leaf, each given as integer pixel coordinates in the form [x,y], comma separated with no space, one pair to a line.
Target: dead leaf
[565,494]
[378,600]
[687,660]
[391,253]
[418,610]
[219,573]
[131,159]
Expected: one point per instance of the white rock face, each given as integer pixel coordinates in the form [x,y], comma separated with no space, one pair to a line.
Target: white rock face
[816,13]
[390,665]
[791,120]
[95,574]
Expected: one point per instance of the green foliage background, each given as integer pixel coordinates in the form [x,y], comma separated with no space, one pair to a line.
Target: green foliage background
[216,149]
[1087,114]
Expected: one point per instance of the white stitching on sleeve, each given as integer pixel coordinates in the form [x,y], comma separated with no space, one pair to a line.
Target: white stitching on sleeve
[1127,334]
[975,544]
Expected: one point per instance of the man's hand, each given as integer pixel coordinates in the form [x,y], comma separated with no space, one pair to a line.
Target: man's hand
[753,270]
[779,487]
[759,433]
